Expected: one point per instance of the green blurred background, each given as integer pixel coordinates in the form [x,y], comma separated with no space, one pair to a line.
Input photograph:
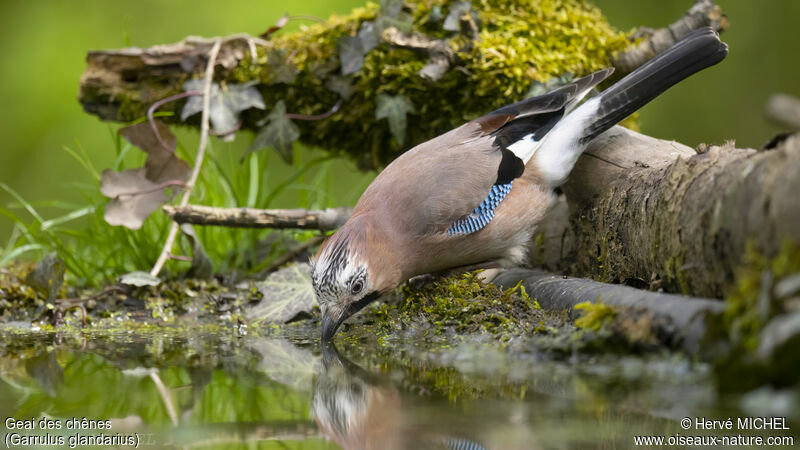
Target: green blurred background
[43,44]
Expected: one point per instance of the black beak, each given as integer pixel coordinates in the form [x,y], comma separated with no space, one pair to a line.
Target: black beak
[329,327]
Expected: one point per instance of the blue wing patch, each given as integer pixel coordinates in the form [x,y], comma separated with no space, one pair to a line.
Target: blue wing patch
[483,214]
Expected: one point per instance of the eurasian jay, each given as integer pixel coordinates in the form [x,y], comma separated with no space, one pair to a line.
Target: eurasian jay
[361,410]
[475,194]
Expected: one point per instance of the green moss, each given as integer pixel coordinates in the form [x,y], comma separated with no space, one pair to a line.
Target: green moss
[520,43]
[130,107]
[602,262]
[538,244]
[742,317]
[675,276]
[458,306]
[18,301]
[595,315]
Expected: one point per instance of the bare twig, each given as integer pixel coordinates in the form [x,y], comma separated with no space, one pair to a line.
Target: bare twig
[201,150]
[152,109]
[179,257]
[83,313]
[323,220]
[702,13]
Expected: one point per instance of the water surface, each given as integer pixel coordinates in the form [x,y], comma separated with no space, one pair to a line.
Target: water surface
[199,389]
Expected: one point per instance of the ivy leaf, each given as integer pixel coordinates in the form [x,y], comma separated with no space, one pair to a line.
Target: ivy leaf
[353,48]
[45,369]
[201,264]
[286,294]
[341,85]
[394,109]
[351,54]
[367,36]
[136,193]
[436,14]
[48,276]
[141,135]
[321,69]
[403,22]
[287,363]
[279,133]
[162,163]
[453,20]
[133,197]
[139,279]
[225,105]
[391,8]
[279,70]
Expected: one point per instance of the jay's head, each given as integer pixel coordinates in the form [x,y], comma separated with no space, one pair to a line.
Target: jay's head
[345,276]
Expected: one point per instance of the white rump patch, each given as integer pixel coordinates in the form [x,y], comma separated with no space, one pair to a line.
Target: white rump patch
[524,148]
[561,147]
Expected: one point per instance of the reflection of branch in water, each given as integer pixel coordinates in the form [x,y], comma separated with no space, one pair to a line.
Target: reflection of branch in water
[359,410]
[166,397]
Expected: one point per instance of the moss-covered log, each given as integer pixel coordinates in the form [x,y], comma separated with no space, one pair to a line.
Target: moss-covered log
[465,63]
[658,214]
[678,321]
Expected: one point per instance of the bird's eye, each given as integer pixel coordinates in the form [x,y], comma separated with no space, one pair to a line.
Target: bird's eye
[357,287]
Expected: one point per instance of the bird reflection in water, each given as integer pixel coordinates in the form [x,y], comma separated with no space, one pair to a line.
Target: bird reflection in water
[359,410]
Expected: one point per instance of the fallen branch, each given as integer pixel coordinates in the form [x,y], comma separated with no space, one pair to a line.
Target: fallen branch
[306,219]
[638,210]
[473,78]
[648,212]
[152,109]
[702,13]
[681,322]
[201,150]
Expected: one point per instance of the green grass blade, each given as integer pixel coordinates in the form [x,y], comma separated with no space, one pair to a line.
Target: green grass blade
[252,192]
[294,177]
[67,217]
[22,202]
[86,164]
[121,156]
[10,256]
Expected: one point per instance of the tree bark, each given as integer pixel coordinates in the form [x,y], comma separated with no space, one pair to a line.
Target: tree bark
[323,220]
[638,210]
[657,214]
[679,321]
[448,76]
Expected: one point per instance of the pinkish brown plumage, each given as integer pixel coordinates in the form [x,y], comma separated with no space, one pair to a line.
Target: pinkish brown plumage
[474,195]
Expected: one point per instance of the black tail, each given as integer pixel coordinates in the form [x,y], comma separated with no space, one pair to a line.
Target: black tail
[698,50]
